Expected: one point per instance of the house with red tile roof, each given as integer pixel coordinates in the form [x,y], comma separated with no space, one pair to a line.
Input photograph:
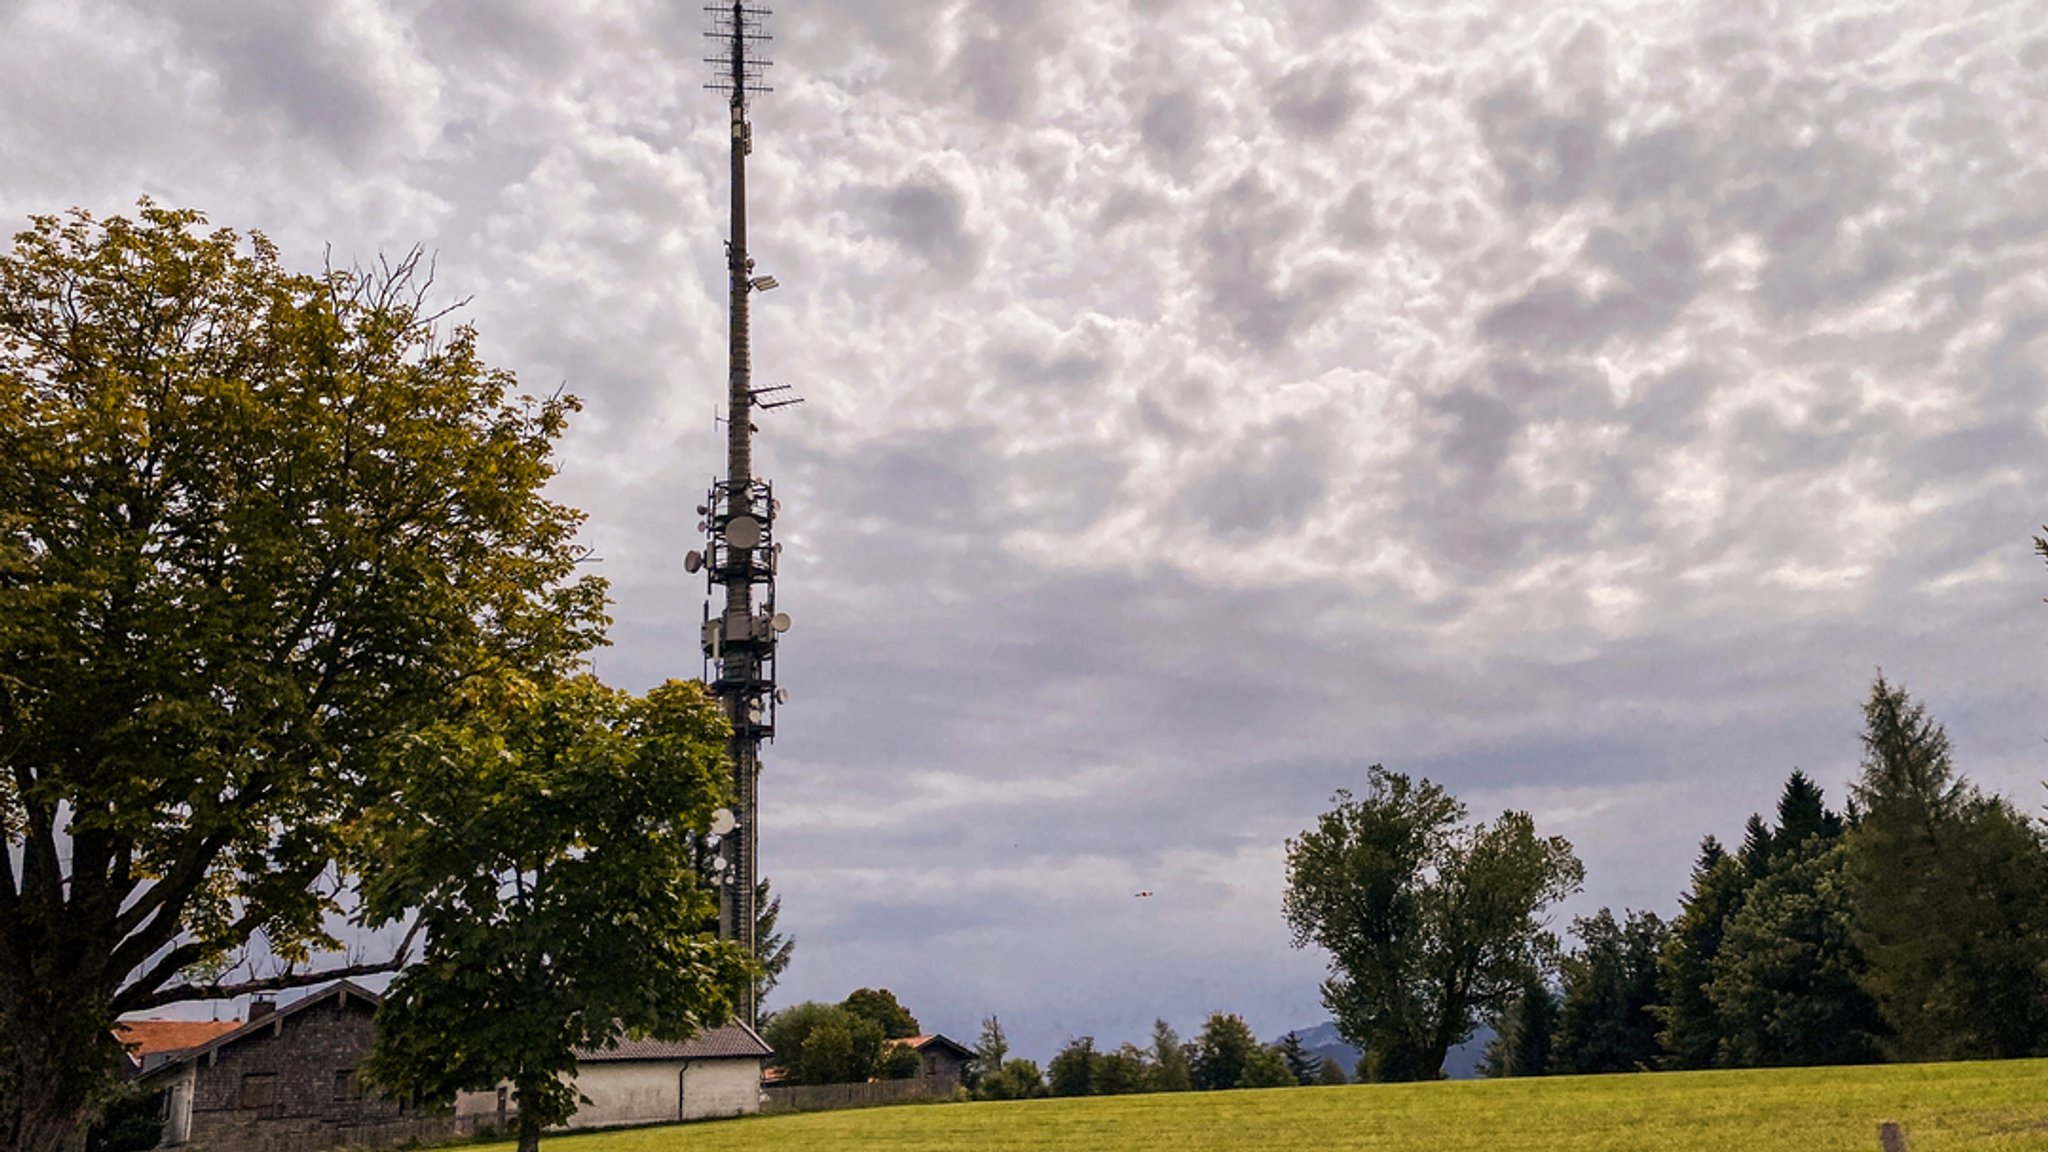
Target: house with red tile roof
[151,1042]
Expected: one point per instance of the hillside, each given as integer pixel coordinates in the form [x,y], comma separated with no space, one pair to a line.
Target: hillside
[1461,1063]
[1945,1107]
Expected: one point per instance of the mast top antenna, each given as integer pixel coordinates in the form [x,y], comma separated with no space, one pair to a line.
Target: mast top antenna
[739,30]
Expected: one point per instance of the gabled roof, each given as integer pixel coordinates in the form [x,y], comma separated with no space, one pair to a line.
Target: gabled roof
[922,1043]
[156,1037]
[256,1027]
[734,1041]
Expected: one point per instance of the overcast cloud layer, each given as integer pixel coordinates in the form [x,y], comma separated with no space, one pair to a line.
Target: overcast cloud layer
[1575,403]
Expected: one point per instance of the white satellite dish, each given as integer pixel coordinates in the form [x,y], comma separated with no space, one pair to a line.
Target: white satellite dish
[718,864]
[782,695]
[781,622]
[743,532]
[722,821]
[693,562]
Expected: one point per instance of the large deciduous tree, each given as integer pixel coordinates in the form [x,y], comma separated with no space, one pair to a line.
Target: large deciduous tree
[547,847]
[881,1006]
[254,526]
[1431,923]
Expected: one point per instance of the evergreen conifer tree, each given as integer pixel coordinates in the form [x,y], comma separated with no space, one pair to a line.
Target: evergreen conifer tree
[1304,1064]
[1522,1035]
[1951,892]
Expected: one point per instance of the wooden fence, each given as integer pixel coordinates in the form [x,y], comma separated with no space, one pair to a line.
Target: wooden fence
[825,1097]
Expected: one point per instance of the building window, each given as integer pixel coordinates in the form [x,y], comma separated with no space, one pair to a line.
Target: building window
[259,1090]
[347,1086]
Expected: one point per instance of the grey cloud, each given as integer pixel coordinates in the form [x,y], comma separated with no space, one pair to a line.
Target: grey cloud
[1548,158]
[927,215]
[1172,127]
[1243,237]
[997,64]
[306,67]
[1355,218]
[1273,477]
[1656,275]
[1315,101]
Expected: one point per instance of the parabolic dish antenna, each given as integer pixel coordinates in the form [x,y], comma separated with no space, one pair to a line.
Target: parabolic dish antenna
[722,822]
[781,622]
[693,562]
[743,532]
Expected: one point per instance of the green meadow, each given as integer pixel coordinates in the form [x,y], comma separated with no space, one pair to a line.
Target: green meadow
[1942,1107]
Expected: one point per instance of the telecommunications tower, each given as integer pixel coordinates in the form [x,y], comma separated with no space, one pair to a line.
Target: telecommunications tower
[739,520]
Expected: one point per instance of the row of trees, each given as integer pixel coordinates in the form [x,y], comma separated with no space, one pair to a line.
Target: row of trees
[1226,1054]
[1911,926]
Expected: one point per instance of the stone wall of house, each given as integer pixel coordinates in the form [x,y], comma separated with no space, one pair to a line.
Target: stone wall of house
[296,1089]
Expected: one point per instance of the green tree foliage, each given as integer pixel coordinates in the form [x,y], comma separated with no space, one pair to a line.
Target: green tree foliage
[1698,1029]
[583,924]
[255,527]
[1330,1074]
[776,947]
[1691,1026]
[132,1121]
[898,1061]
[1522,1033]
[1265,1067]
[824,1043]
[1604,1023]
[1787,982]
[1803,815]
[1221,1052]
[1072,1071]
[1951,897]
[840,1049]
[1305,1065]
[1171,1068]
[881,1006]
[1431,923]
[1122,1072]
[1015,1079]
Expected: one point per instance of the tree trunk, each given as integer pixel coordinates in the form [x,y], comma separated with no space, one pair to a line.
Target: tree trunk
[56,1058]
[529,1131]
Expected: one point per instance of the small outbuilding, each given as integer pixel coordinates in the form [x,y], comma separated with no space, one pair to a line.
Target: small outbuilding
[940,1059]
[716,1073]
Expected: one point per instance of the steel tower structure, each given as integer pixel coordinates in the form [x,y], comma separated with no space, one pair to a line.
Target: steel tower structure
[739,519]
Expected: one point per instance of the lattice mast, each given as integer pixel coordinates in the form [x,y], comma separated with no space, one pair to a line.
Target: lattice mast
[739,518]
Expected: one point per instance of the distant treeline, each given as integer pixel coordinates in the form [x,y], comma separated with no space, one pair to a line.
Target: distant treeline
[1911,926]
[1225,1055]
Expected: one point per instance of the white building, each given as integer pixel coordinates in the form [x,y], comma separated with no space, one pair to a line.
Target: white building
[714,1074]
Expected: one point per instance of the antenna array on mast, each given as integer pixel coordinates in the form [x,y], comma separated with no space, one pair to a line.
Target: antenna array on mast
[737,71]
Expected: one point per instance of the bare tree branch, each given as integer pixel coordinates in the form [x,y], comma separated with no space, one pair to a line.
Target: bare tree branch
[183,993]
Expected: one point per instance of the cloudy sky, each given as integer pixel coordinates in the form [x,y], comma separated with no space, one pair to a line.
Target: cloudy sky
[1575,403]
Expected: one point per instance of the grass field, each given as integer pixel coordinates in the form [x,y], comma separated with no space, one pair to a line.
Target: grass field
[1942,1106]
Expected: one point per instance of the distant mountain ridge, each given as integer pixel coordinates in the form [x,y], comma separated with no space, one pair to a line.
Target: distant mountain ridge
[1323,1041]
